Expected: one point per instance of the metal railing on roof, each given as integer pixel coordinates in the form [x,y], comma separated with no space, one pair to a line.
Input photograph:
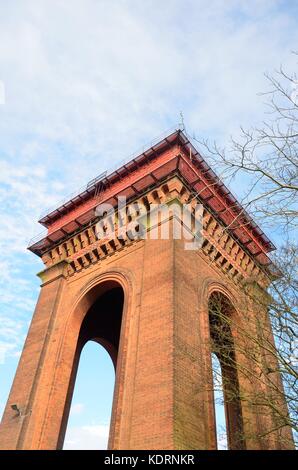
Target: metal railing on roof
[110,171]
[145,148]
[96,180]
[37,238]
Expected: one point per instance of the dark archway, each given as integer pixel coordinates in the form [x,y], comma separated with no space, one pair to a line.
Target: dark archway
[102,324]
[221,314]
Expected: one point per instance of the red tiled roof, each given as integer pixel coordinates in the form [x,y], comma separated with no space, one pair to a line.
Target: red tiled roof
[175,153]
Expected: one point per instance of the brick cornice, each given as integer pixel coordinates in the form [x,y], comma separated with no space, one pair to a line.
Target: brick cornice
[219,247]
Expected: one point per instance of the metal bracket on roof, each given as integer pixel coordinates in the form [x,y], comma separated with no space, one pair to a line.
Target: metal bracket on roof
[96,180]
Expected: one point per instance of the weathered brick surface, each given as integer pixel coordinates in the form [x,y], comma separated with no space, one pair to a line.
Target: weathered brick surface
[27,379]
[162,398]
[160,401]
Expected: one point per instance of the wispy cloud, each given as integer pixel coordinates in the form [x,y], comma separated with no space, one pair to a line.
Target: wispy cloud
[77,408]
[88,437]
[87,82]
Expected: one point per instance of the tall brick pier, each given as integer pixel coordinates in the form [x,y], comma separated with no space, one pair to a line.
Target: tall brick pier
[146,301]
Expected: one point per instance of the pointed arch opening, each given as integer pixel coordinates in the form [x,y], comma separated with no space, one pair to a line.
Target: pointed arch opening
[219,404]
[101,324]
[225,374]
[91,407]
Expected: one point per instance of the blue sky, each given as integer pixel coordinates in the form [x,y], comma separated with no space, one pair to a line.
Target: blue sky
[85,83]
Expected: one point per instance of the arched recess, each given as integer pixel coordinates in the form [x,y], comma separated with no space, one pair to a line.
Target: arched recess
[221,313]
[99,316]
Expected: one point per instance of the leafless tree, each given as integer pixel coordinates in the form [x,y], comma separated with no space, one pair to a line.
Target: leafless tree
[267,156]
[251,360]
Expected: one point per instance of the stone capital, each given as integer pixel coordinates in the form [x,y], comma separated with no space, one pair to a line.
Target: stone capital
[53,272]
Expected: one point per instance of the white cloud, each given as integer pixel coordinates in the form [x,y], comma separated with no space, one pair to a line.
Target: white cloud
[89,437]
[77,408]
[11,337]
[222,443]
[2,92]
[88,82]
[91,73]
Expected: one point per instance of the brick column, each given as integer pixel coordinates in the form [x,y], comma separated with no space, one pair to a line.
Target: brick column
[13,428]
[151,425]
[191,418]
[169,410]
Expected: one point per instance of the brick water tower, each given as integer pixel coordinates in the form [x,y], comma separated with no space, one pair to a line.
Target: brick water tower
[147,300]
